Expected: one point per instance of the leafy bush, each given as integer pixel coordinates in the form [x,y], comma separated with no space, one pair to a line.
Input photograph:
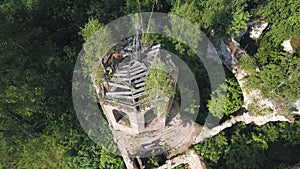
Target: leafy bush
[226,99]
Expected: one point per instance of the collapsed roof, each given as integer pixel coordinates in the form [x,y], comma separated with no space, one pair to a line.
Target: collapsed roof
[126,70]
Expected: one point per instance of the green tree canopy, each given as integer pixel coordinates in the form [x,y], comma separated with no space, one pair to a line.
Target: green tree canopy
[158,86]
[226,99]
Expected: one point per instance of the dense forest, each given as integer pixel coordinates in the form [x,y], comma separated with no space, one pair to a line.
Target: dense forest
[39,44]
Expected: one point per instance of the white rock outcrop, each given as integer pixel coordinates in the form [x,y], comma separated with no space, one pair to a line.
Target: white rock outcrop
[246,118]
[257,30]
[287,46]
[297,107]
[190,157]
[251,96]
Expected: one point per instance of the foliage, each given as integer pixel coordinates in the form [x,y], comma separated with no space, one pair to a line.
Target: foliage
[248,146]
[251,148]
[97,42]
[43,152]
[106,10]
[226,99]
[281,77]
[187,100]
[136,6]
[38,48]
[90,29]
[247,63]
[110,161]
[271,70]
[158,86]
[214,148]
[240,19]
[277,79]
[39,43]
[284,21]
[87,155]
[154,161]
[181,166]
[213,16]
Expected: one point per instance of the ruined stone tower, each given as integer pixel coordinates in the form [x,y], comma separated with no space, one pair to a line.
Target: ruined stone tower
[139,127]
[124,100]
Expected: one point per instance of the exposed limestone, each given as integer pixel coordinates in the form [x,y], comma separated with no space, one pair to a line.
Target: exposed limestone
[177,137]
[190,157]
[287,46]
[251,96]
[231,51]
[174,139]
[257,30]
[246,118]
[296,107]
[225,52]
